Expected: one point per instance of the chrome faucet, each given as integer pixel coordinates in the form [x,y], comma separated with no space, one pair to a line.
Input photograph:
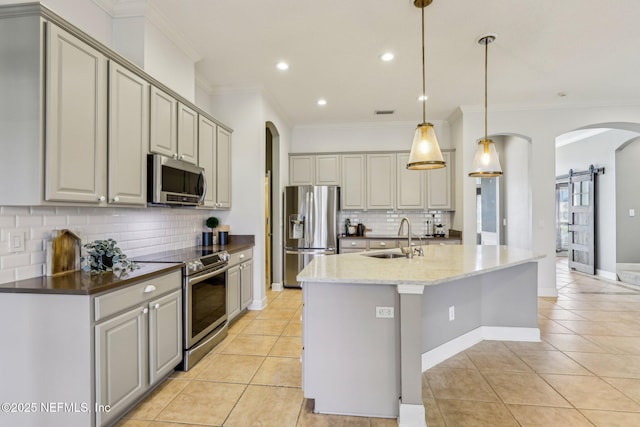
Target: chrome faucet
[409,251]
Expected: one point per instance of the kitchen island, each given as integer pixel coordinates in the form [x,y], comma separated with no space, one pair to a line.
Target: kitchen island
[372,325]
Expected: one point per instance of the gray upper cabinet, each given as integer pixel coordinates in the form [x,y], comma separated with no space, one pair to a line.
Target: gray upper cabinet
[214,156]
[163,123]
[353,184]
[301,170]
[381,181]
[327,169]
[128,136]
[187,134]
[76,131]
[85,118]
[410,185]
[223,169]
[440,185]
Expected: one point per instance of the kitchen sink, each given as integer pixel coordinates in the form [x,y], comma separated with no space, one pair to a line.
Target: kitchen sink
[386,255]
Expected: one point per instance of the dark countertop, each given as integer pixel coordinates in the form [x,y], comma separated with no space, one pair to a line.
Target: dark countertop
[81,283]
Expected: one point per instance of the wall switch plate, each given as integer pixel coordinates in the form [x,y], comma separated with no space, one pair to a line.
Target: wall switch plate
[16,242]
[384,312]
[632,212]
[452,313]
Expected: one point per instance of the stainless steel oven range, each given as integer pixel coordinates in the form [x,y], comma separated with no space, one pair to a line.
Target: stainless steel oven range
[204,286]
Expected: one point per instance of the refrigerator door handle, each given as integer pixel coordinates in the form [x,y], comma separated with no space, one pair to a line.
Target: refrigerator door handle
[312,218]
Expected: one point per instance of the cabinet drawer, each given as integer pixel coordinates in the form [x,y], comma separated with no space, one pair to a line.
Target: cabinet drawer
[242,256]
[113,302]
[382,243]
[349,251]
[353,244]
[444,242]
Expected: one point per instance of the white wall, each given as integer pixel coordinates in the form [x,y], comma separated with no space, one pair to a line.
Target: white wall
[541,126]
[247,113]
[598,150]
[517,191]
[361,137]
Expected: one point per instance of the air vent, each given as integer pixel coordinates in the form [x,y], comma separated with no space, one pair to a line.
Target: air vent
[383,112]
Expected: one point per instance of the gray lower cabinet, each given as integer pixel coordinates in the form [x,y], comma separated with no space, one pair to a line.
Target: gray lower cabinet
[139,345]
[239,282]
[233,292]
[246,284]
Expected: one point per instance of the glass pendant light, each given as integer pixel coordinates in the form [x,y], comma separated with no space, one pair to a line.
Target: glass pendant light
[425,151]
[486,163]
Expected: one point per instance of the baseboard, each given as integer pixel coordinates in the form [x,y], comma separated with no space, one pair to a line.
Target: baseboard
[258,304]
[411,416]
[548,292]
[471,338]
[606,274]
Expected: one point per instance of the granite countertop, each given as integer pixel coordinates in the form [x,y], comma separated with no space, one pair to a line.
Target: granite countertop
[440,264]
[81,283]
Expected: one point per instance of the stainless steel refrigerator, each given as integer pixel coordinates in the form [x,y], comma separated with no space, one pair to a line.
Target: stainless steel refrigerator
[311,215]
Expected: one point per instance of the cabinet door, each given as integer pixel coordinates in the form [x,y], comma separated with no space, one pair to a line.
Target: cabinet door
[233,292]
[187,134]
[163,134]
[76,118]
[128,136]
[246,284]
[440,185]
[121,362]
[223,169]
[207,157]
[327,169]
[165,335]
[352,187]
[411,185]
[381,181]
[301,170]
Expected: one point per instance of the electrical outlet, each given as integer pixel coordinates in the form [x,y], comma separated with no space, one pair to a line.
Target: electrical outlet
[16,242]
[384,312]
[452,313]
[632,212]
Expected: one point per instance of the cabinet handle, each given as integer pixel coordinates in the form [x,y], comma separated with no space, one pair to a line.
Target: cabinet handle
[145,311]
[182,157]
[241,256]
[116,199]
[383,244]
[149,288]
[156,306]
[102,198]
[175,156]
[353,243]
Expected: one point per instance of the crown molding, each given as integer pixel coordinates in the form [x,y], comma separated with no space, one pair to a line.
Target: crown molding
[147,10]
[106,5]
[537,107]
[369,125]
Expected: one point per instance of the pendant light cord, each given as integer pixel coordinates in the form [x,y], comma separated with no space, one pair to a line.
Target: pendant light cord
[486,62]
[424,94]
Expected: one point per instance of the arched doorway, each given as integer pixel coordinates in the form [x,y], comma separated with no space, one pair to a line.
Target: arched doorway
[273,258]
[602,145]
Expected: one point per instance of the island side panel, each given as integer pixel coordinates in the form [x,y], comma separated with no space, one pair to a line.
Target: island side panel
[351,359]
[46,359]
[501,298]
[510,297]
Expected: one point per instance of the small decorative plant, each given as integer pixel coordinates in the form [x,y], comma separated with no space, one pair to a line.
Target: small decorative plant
[212,222]
[104,255]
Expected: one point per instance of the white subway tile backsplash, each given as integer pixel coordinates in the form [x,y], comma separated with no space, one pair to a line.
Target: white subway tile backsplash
[138,231]
[387,222]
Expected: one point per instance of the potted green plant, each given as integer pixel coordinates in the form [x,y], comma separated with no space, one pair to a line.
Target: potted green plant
[104,255]
[207,237]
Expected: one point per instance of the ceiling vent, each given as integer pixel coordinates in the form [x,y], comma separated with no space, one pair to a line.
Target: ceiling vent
[384,112]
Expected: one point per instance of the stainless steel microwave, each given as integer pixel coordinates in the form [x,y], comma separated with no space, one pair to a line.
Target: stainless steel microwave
[174,182]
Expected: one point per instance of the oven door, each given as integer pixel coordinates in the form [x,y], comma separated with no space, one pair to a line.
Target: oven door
[205,304]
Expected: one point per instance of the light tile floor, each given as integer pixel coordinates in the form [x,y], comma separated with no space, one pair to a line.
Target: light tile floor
[585,372]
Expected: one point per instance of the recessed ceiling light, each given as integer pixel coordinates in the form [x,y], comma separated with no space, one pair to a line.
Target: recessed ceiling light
[423,98]
[282,66]
[387,56]
[322,102]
